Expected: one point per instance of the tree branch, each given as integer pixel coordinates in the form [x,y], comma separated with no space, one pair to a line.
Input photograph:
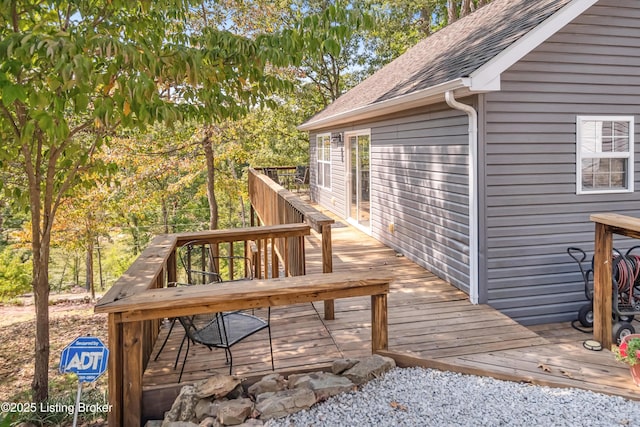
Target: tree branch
[7,113]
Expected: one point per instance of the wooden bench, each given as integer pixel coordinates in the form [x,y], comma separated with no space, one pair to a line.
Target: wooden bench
[126,363]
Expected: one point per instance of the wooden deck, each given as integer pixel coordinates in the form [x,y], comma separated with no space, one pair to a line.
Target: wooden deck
[431,324]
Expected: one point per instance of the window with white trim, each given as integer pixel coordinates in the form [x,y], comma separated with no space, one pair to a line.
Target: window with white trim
[323,152]
[605,154]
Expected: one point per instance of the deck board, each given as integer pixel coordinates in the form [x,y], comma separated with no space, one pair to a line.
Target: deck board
[431,324]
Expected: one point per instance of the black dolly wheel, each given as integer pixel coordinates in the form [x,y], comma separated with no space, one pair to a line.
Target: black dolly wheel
[621,330]
[585,315]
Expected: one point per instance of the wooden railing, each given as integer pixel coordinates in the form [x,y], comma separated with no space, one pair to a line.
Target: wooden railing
[131,342]
[607,224]
[272,204]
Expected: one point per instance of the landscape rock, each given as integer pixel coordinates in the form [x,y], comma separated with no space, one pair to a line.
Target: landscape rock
[206,408]
[183,408]
[150,423]
[369,368]
[180,424]
[340,365]
[252,422]
[323,384]
[217,386]
[285,402]
[234,412]
[209,422]
[237,392]
[225,400]
[269,383]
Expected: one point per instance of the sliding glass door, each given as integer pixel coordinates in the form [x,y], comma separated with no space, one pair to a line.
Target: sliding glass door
[359,186]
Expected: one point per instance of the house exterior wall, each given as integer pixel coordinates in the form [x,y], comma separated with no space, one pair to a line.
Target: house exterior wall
[333,198]
[531,210]
[419,183]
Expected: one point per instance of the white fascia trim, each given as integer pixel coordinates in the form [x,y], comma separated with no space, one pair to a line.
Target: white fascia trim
[400,103]
[485,77]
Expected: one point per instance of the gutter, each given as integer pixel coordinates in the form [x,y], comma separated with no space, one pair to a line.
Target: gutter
[399,103]
[473,192]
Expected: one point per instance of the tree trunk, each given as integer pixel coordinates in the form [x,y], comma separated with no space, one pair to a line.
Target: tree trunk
[465,8]
[88,281]
[93,295]
[211,195]
[425,18]
[76,270]
[40,247]
[135,234]
[165,215]
[452,12]
[234,174]
[1,219]
[243,214]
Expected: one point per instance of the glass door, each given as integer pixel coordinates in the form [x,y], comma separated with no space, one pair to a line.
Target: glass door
[359,183]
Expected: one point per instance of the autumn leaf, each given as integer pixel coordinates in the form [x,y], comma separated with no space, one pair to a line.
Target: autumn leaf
[107,88]
[398,406]
[126,108]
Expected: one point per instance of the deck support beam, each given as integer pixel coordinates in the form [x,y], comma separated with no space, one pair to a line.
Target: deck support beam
[327,267]
[132,373]
[607,225]
[602,291]
[379,323]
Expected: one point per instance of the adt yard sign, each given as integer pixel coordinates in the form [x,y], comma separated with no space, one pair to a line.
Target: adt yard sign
[86,357]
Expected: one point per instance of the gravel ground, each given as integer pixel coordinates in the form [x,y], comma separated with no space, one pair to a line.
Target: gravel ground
[426,397]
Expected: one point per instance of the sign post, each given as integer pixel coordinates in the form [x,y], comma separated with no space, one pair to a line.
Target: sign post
[86,357]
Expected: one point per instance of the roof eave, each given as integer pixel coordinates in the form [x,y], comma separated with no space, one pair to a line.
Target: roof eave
[486,75]
[484,79]
[415,99]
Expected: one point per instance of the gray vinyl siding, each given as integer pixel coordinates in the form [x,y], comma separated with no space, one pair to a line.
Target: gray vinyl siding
[419,182]
[332,198]
[531,209]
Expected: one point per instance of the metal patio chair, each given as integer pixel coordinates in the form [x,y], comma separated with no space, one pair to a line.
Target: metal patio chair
[224,330]
[273,174]
[201,267]
[301,177]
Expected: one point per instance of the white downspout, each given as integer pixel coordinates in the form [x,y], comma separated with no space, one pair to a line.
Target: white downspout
[473,192]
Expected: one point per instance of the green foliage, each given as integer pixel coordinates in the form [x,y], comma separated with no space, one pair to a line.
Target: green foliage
[7,419]
[58,410]
[15,273]
[333,33]
[629,350]
[400,24]
[117,259]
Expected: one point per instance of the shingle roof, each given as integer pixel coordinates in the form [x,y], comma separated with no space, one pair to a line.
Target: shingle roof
[454,52]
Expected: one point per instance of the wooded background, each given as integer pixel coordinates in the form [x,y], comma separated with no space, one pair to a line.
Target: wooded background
[123,119]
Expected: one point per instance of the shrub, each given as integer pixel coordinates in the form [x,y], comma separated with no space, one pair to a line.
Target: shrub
[15,273]
[116,261]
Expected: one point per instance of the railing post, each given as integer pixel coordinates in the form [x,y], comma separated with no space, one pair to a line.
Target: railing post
[602,292]
[133,368]
[115,380]
[327,267]
[172,268]
[379,323]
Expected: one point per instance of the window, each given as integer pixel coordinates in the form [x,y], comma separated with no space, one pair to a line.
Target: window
[323,151]
[605,154]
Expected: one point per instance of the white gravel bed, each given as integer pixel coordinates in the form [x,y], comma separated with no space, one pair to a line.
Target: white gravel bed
[426,397]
